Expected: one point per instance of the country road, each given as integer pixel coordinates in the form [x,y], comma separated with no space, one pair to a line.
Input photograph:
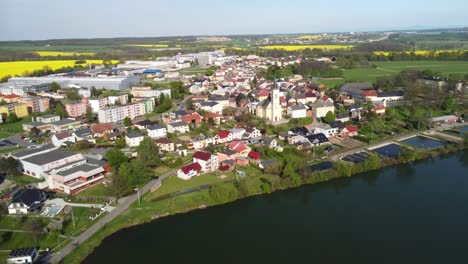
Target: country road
[125,203]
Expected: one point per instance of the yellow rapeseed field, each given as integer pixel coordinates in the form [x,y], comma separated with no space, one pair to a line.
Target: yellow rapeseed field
[309,37]
[303,47]
[149,45]
[63,53]
[417,52]
[19,67]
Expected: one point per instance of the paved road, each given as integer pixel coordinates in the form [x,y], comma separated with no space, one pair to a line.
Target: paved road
[61,202]
[124,204]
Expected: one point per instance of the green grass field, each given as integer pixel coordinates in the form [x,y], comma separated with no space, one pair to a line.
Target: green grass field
[388,68]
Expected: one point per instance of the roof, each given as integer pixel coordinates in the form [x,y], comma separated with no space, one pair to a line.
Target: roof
[209,104]
[237,146]
[378,108]
[22,252]
[191,167]
[223,134]
[101,128]
[155,127]
[352,129]
[83,132]
[133,135]
[202,155]
[179,124]
[337,124]
[63,135]
[369,93]
[86,167]
[255,155]
[356,86]
[317,138]
[144,123]
[443,118]
[228,152]
[163,141]
[30,196]
[299,130]
[298,107]
[49,157]
[390,94]
[65,121]
[27,152]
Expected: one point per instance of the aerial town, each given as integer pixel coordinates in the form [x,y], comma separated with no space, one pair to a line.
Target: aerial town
[98,136]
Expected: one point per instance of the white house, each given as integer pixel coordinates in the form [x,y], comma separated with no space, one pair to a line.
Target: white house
[207,161]
[251,133]
[237,133]
[223,136]
[61,138]
[178,127]
[212,107]
[165,144]
[327,130]
[27,200]
[23,255]
[321,108]
[189,171]
[133,139]
[297,111]
[157,131]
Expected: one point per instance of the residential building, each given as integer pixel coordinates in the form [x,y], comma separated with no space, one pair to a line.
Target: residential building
[70,80]
[448,119]
[48,118]
[133,139]
[60,138]
[318,139]
[223,136]
[84,134]
[165,144]
[99,130]
[297,111]
[120,112]
[97,104]
[27,200]
[10,98]
[227,154]
[178,127]
[237,133]
[77,109]
[36,104]
[321,108]
[20,109]
[149,92]
[241,148]
[156,131]
[349,131]
[37,165]
[23,255]
[54,126]
[189,171]
[379,110]
[326,129]
[207,161]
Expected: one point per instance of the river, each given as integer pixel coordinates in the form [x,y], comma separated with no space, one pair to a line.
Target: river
[407,214]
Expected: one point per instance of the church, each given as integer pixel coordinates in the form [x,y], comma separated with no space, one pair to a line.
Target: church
[270,109]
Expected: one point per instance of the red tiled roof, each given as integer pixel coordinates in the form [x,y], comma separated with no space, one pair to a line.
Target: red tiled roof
[201,155]
[224,168]
[237,146]
[369,93]
[101,128]
[351,129]
[191,167]
[9,96]
[325,97]
[223,134]
[380,107]
[263,93]
[254,155]
[310,94]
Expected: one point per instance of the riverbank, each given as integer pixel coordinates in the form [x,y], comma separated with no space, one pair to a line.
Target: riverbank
[253,185]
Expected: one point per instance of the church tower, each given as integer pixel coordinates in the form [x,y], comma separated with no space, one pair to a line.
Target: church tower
[276,112]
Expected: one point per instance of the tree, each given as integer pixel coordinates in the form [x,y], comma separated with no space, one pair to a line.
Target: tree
[34,132]
[54,87]
[448,103]
[73,94]
[148,152]
[329,117]
[222,193]
[115,157]
[120,143]
[9,166]
[128,121]
[12,118]
[60,110]
[35,227]
[121,183]
[89,114]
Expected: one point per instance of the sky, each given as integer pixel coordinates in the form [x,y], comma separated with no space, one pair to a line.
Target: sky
[59,19]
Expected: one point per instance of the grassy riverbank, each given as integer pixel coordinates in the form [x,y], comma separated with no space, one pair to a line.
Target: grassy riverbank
[255,184]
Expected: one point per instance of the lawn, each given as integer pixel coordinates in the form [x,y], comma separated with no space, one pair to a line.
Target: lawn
[24,179]
[388,68]
[14,68]
[175,184]
[5,134]
[10,149]
[97,190]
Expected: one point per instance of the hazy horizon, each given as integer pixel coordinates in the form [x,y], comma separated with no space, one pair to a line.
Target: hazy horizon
[65,19]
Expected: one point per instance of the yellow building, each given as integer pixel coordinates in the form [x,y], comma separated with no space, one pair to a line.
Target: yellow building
[21,110]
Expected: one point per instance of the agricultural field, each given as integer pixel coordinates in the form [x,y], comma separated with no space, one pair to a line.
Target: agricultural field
[387,68]
[306,37]
[303,47]
[62,53]
[19,67]
[418,52]
[149,45]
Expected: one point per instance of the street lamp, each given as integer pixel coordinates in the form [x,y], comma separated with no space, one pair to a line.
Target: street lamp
[138,193]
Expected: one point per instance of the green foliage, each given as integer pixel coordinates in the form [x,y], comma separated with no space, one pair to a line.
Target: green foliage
[12,118]
[221,193]
[9,166]
[72,94]
[54,86]
[115,157]
[128,122]
[120,143]
[148,152]
[329,117]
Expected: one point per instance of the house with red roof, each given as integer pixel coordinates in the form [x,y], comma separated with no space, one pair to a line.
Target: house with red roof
[349,131]
[223,136]
[255,156]
[379,110]
[165,144]
[227,154]
[99,130]
[194,118]
[369,94]
[241,148]
[207,161]
[189,171]
[310,97]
